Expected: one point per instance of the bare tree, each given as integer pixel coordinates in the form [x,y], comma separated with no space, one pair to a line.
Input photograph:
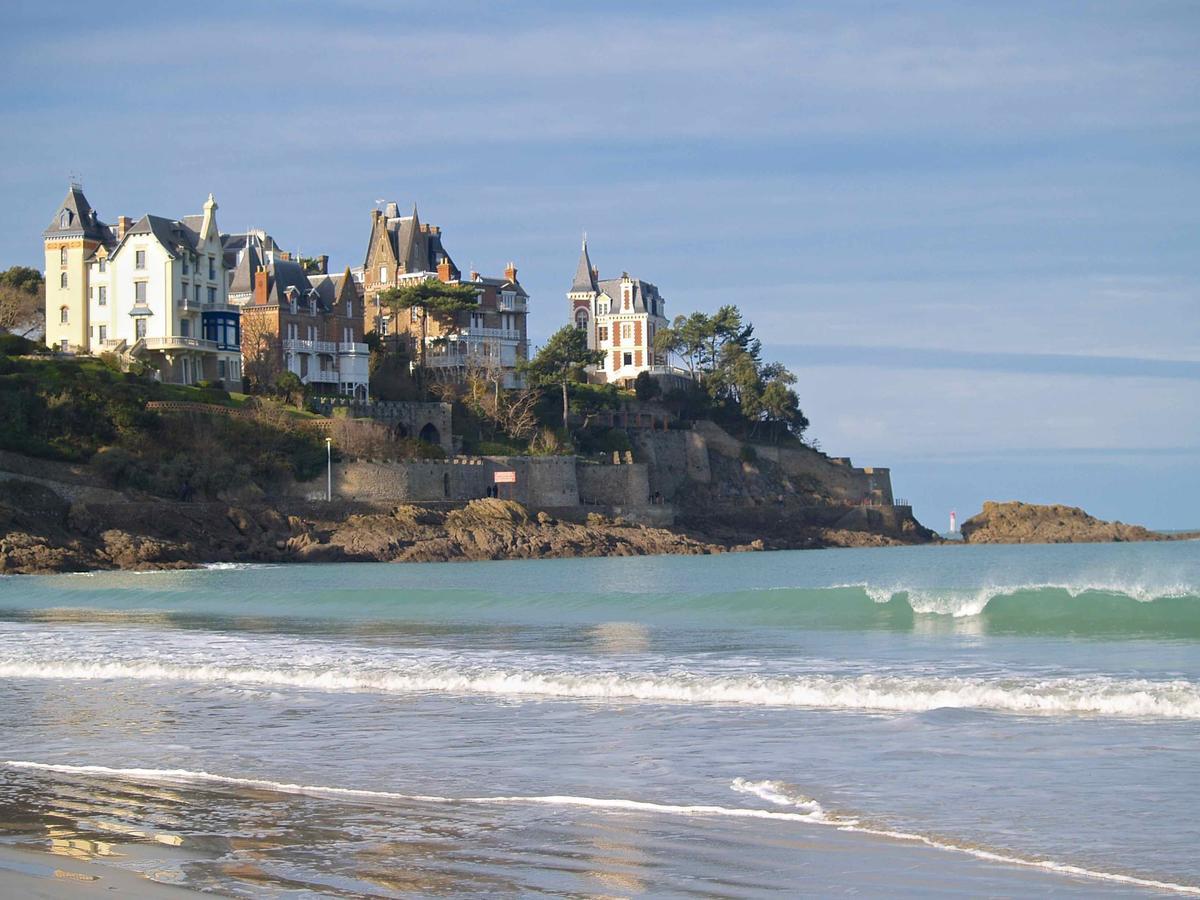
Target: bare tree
[262,352]
[22,312]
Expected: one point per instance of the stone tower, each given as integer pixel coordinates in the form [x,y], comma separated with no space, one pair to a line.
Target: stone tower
[582,296]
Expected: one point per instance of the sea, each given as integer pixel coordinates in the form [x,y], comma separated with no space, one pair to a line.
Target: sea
[917,721]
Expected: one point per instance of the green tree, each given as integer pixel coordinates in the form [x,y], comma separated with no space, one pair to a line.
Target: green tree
[432,298]
[563,360]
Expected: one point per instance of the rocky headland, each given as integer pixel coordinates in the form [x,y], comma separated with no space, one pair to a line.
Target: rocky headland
[42,532]
[1031,523]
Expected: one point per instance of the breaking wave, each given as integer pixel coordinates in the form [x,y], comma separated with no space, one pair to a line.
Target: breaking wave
[1090,695]
[798,809]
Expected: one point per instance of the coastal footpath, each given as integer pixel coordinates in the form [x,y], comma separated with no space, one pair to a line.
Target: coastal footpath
[1031,523]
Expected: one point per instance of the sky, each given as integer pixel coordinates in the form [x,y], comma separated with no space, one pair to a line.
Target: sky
[970,228]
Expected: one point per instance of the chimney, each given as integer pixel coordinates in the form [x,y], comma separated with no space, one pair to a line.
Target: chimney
[444,270]
[123,224]
[510,272]
[260,286]
[323,264]
[474,275]
[285,254]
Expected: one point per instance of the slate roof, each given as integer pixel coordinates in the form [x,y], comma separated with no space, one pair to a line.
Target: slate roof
[646,297]
[82,219]
[416,249]
[585,277]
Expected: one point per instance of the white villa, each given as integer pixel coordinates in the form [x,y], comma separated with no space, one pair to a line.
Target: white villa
[154,289]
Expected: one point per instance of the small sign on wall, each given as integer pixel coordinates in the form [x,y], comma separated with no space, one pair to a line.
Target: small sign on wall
[504,477]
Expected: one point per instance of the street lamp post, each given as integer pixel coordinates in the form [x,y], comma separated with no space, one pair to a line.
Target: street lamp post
[329,470]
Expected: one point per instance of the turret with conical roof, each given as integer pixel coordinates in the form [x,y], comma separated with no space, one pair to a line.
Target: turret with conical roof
[585,275]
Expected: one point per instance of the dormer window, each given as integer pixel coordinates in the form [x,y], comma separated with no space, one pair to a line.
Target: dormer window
[102,265]
[602,308]
[64,221]
[212,268]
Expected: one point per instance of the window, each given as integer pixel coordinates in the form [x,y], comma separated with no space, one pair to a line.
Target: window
[349,308]
[212,296]
[185,265]
[212,268]
[293,330]
[221,369]
[139,328]
[185,328]
[63,345]
[476,320]
[139,259]
[626,331]
[103,333]
[139,291]
[64,316]
[103,264]
[581,319]
[412,314]
[602,308]
[312,333]
[383,327]
[102,295]
[292,305]
[196,292]
[64,221]
[383,274]
[602,332]
[62,256]
[629,359]
[62,280]
[347,335]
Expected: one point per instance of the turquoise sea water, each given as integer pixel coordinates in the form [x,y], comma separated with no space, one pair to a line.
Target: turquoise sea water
[999,720]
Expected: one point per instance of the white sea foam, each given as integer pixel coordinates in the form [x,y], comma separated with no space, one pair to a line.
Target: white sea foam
[775,792]
[783,795]
[1098,695]
[966,602]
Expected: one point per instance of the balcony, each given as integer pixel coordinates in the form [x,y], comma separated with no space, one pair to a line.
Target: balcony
[504,334]
[311,346]
[187,304]
[345,349]
[179,342]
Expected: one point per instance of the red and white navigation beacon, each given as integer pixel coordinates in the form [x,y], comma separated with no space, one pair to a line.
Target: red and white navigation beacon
[953,522]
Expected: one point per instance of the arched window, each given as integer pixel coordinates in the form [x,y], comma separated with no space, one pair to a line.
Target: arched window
[64,220]
[62,280]
[62,256]
[64,315]
[581,319]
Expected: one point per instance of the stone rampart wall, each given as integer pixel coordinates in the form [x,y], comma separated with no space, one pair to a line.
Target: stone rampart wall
[624,485]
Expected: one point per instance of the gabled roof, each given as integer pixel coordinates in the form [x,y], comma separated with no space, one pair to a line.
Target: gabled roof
[82,220]
[173,235]
[585,276]
[418,248]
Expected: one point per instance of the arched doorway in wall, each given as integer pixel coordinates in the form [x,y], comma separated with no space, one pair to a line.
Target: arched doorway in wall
[430,435]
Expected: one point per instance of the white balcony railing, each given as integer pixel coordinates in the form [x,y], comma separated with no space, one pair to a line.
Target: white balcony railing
[504,334]
[310,346]
[353,349]
[179,342]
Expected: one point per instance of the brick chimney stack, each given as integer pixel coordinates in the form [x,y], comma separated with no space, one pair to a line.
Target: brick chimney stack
[323,264]
[260,286]
[510,272]
[443,270]
[123,225]
[474,275]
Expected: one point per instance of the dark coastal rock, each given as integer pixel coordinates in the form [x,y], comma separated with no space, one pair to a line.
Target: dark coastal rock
[1030,523]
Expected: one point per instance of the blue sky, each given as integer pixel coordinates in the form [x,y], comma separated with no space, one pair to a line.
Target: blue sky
[970,228]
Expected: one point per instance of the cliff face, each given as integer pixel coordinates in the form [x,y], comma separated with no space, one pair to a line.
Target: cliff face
[1029,523]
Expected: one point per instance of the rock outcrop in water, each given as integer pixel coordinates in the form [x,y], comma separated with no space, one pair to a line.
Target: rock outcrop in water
[41,531]
[1030,523]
